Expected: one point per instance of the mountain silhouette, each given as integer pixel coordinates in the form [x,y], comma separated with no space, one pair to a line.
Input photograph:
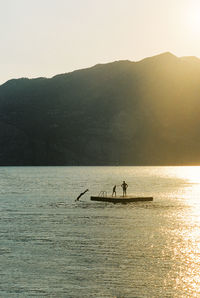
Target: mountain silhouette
[120,113]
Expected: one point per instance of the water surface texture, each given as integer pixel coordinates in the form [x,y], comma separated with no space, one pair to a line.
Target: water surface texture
[52,246]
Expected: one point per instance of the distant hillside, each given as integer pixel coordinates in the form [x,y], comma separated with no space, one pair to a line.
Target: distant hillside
[126,113]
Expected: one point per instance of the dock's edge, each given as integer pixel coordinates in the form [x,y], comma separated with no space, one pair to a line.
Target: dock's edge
[120,200]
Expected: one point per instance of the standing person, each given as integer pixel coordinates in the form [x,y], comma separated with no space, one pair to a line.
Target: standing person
[124,187]
[114,191]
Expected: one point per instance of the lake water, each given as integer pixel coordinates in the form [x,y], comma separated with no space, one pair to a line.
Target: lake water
[52,246]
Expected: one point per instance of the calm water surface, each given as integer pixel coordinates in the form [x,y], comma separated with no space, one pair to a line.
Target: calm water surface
[52,246]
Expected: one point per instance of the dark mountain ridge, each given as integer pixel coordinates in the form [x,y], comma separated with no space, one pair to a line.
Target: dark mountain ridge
[126,113]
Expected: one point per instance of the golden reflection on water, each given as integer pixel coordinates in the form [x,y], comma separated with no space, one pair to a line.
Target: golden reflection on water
[191,191]
[187,251]
[171,250]
[192,174]
[190,186]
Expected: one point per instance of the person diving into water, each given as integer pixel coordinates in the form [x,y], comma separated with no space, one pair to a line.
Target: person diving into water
[81,194]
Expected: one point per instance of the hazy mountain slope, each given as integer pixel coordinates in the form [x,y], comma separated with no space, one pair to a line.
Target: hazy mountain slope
[124,112]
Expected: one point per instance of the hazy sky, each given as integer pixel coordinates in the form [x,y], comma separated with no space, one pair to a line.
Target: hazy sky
[48,37]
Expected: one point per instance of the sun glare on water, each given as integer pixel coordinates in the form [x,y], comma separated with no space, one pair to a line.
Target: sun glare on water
[188,246]
[192,174]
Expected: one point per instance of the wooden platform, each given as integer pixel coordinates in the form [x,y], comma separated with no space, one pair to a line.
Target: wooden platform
[127,199]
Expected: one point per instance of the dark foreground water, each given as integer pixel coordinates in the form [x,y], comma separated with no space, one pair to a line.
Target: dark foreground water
[52,246]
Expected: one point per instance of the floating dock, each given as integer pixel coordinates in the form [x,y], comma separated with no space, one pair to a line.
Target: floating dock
[127,199]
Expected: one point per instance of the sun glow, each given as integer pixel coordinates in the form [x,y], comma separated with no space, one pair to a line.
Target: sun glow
[194,19]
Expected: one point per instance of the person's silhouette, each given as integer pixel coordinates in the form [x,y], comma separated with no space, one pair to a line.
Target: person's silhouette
[114,191]
[124,187]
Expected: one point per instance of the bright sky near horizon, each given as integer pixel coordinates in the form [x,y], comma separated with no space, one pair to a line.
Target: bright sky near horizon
[49,37]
